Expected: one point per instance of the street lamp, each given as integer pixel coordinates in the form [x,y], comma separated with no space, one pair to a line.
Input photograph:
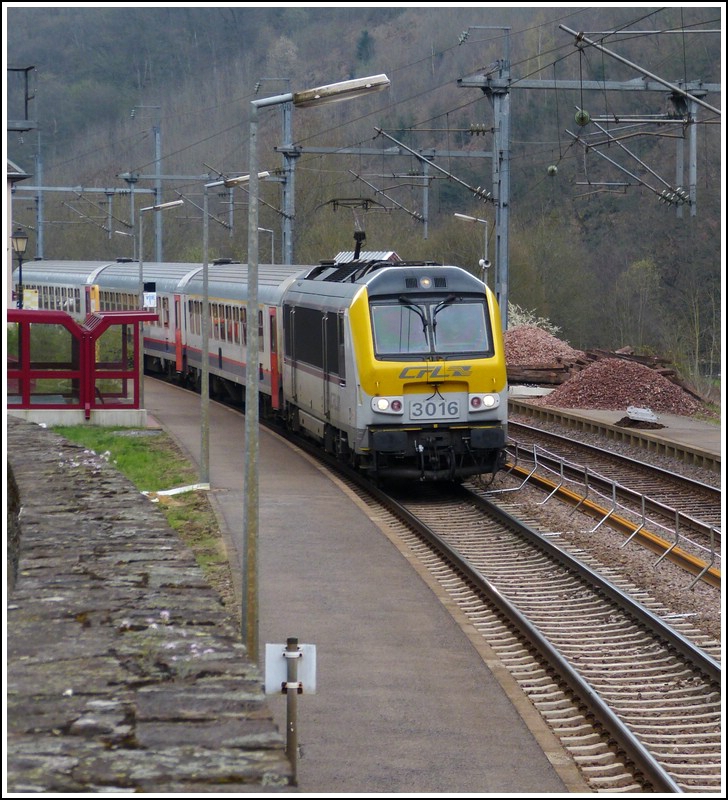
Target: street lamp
[20,242]
[272,243]
[142,211]
[484,262]
[331,93]
[133,240]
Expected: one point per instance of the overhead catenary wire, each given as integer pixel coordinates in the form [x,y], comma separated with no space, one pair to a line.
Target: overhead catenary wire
[558,55]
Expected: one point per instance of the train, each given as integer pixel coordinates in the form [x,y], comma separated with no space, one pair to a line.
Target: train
[395,367]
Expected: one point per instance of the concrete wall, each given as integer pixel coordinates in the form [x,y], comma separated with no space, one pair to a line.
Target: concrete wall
[124,671]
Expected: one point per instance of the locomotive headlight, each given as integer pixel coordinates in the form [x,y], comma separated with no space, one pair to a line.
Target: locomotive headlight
[425,283]
[483,402]
[387,405]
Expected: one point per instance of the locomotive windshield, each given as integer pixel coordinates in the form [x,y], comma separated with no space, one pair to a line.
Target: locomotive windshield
[439,327]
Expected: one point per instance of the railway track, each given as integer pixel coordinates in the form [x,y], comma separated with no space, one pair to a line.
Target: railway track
[599,666]
[672,513]
[667,492]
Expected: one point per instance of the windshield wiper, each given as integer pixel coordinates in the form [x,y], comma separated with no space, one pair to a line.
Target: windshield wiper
[438,308]
[420,313]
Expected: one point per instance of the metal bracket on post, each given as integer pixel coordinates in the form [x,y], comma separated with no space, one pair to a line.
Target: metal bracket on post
[282,675]
[291,653]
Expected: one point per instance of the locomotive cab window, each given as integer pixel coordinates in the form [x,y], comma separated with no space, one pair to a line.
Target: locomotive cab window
[459,327]
[399,329]
[443,326]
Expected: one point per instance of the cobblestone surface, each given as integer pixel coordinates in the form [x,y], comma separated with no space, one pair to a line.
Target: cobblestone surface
[124,673]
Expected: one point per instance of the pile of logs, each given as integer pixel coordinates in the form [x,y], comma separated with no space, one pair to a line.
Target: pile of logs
[536,357]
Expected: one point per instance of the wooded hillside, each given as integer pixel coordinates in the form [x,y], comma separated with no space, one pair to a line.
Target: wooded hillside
[591,247]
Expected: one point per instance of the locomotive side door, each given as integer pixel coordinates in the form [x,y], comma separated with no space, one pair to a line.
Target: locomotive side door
[275,375]
[326,388]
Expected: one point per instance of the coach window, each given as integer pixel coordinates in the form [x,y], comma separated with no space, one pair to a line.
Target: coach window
[236,325]
[226,330]
[192,312]
[213,321]
[220,321]
[229,322]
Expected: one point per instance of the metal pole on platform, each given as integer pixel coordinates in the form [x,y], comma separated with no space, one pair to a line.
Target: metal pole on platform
[205,364]
[292,655]
[321,95]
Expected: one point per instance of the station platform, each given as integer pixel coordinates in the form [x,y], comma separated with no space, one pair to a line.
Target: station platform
[690,439]
[408,700]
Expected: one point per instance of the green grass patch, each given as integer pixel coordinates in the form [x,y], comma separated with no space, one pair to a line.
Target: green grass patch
[149,458]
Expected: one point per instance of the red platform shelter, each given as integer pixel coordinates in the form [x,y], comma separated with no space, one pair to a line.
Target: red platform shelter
[62,372]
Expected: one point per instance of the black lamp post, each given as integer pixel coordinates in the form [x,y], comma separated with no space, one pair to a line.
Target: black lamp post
[20,242]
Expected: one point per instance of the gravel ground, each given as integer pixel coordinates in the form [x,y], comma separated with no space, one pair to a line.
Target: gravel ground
[665,582]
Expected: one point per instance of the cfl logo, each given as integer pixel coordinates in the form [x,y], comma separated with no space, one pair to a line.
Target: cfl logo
[440,371]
